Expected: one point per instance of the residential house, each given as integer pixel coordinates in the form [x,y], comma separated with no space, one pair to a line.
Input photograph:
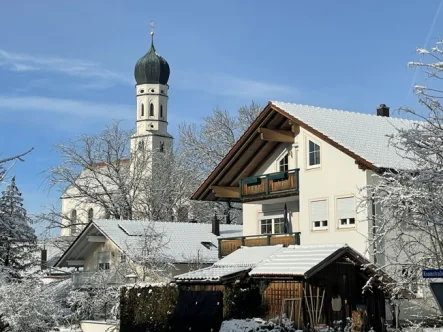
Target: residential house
[119,251]
[308,164]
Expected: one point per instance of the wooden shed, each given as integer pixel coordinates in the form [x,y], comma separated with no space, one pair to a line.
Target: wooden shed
[317,285]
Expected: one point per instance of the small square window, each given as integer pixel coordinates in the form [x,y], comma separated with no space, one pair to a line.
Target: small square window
[103,266]
[313,154]
[345,210]
[319,214]
[283,164]
[266,226]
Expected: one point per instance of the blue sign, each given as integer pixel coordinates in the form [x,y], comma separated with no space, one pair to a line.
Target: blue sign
[433,273]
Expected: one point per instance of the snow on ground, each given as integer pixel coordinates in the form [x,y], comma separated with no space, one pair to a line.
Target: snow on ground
[249,325]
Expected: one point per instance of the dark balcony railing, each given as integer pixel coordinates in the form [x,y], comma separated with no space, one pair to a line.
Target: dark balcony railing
[231,244]
[269,184]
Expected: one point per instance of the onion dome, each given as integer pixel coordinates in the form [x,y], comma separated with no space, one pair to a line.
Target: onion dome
[151,68]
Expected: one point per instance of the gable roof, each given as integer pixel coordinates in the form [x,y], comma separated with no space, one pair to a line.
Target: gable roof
[363,137]
[240,261]
[366,135]
[182,242]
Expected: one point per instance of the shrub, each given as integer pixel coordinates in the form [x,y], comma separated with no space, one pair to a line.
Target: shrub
[147,308]
[4,325]
[243,300]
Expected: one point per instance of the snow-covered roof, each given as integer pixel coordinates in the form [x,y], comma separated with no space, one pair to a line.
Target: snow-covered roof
[249,256]
[182,241]
[363,134]
[242,259]
[213,273]
[296,260]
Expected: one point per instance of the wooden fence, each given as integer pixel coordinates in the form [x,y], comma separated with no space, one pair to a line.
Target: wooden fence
[277,291]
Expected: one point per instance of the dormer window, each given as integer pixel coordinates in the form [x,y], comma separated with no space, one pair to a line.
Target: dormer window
[151,110]
[283,164]
[313,154]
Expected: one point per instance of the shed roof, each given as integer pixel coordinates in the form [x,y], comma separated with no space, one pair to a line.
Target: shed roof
[241,260]
[303,260]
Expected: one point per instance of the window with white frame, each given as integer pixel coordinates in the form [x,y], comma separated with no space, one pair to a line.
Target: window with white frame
[272,224]
[313,154]
[319,214]
[104,260]
[345,212]
[283,163]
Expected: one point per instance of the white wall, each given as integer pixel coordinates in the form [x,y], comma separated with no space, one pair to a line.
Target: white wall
[338,176]
[69,204]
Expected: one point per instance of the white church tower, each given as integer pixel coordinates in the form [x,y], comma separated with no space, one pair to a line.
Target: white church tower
[151,74]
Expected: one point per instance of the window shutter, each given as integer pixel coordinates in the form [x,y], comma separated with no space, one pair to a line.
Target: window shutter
[103,257]
[345,207]
[319,210]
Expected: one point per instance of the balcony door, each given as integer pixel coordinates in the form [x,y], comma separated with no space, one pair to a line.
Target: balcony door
[272,224]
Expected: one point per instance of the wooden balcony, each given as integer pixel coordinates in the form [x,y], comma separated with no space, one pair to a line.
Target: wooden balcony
[231,244]
[269,185]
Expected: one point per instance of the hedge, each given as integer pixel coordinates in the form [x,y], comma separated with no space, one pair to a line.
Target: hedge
[147,308]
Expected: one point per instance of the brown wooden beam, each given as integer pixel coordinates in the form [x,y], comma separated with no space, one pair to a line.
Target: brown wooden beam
[226,192]
[283,136]
[361,166]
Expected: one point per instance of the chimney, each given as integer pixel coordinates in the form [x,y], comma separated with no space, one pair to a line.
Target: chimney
[215,225]
[44,259]
[383,110]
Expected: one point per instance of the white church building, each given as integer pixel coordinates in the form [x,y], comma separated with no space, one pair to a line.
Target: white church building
[151,76]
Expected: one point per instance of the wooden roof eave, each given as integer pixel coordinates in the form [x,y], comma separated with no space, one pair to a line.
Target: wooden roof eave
[205,186]
[202,192]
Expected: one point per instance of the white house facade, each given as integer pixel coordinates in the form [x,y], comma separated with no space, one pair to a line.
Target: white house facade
[310,165]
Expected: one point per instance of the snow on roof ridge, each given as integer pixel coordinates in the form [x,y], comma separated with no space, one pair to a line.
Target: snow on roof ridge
[325,245]
[161,221]
[274,102]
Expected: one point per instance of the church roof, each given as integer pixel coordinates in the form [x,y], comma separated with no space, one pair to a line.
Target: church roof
[151,68]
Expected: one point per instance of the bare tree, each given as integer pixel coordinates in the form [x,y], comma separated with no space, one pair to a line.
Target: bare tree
[408,224]
[101,172]
[204,146]
[146,258]
[13,159]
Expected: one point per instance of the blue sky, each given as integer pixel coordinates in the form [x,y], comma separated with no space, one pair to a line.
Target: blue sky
[66,67]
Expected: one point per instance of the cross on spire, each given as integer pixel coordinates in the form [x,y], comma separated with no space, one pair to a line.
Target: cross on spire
[152,28]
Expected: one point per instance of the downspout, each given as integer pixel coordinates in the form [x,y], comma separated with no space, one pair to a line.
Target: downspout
[374,230]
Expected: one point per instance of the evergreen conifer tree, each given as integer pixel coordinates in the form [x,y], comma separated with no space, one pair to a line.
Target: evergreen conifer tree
[17,238]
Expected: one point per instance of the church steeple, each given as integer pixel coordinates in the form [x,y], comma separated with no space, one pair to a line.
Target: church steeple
[151,75]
